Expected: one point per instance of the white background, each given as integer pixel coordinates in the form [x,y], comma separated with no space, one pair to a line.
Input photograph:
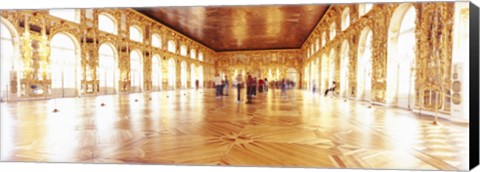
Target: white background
[70,167]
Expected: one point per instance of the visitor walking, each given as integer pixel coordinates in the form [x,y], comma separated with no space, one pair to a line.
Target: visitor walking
[239,86]
[226,86]
[266,85]
[218,85]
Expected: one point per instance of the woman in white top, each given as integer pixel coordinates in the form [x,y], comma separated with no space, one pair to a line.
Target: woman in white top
[239,86]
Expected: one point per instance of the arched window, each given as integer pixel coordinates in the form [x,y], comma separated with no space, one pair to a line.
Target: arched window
[200,75]
[72,15]
[183,50]
[200,56]
[345,18]
[7,58]
[136,34]
[368,7]
[156,41]
[193,75]
[171,74]
[317,45]
[324,71]
[292,75]
[171,46]
[107,23]
[156,73]
[364,65]
[65,66]
[401,57]
[344,91]
[107,69]
[136,71]
[332,31]
[192,53]
[461,44]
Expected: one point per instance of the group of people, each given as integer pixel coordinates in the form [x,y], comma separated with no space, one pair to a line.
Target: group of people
[252,85]
[221,86]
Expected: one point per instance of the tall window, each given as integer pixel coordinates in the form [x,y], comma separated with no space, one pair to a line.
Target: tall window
[107,68]
[364,65]
[72,15]
[401,57]
[64,65]
[156,73]
[171,46]
[200,56]
[156,41]
[136,34]
[6,59]
[345,18]
[364,8]
[183,74]
[171,74]
[193,76]
[200,75]
[332,31]
[192,53]
[136,71]
[183,50]
[317,45]
[107,23]
[344,70]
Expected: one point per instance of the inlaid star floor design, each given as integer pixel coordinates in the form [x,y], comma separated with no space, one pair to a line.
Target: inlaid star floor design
[195,128]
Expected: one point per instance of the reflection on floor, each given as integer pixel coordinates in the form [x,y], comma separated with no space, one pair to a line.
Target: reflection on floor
[190,127]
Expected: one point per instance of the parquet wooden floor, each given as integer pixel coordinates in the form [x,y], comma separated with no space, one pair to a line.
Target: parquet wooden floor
[194,128]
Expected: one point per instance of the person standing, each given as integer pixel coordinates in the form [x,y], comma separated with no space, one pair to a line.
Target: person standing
[250,88]
[332,88]
[284,88]
[239,86]
[254,86]
[226,86]
[218,85]
[196,84]
[266,85]
[260,85]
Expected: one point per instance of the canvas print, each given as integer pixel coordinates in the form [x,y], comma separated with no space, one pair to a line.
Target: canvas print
[361,85]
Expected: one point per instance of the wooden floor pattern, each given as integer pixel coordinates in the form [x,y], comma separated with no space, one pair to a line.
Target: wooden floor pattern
[195,128]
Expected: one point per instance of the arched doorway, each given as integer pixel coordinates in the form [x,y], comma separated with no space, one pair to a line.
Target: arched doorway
[344,69]
[401,57]
[171,74]
[193,76]
[136,71]
[331,67]
[292,75]
[7,58]
[324,72]
[183,75]
[65,65]
[156,73]
[107,68]
[200,75]
[364,65]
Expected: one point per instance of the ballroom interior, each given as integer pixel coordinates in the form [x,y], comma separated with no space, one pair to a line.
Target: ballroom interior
[119,85]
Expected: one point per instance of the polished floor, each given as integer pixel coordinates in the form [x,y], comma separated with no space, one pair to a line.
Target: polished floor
[195,128]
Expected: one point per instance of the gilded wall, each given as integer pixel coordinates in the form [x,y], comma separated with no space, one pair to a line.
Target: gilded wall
[433,48]
[33,29]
